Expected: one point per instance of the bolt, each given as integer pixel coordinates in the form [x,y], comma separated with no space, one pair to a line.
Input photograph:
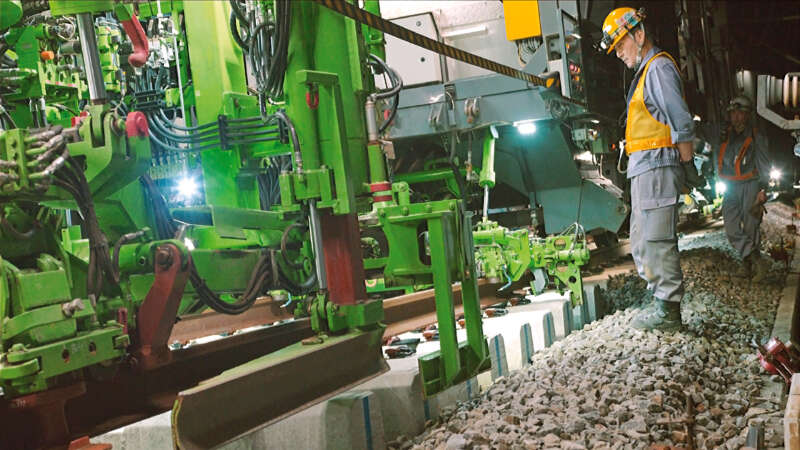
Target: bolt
[164,257]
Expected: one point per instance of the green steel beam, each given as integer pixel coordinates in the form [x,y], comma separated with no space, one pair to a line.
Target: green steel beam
[217,70]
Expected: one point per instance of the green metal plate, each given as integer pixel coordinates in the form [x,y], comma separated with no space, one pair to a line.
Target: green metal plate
[10,13]
[68,7]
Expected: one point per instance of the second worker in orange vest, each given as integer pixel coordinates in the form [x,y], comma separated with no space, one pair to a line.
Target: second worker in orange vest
[741,161]
[659,133]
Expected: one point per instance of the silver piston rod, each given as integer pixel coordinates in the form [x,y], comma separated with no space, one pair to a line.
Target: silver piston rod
[91,59]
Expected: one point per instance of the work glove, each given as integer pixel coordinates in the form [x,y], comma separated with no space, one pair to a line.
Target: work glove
[757,209]
[691,178]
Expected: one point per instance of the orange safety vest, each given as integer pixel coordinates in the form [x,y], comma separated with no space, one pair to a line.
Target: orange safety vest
[737,164]
[643,131]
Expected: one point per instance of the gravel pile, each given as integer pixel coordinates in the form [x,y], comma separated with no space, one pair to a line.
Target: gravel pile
[611,386]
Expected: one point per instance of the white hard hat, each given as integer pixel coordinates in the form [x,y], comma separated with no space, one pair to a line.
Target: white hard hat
[741,103]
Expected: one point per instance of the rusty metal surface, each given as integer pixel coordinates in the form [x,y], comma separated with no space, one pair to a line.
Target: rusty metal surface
[38,419]
[264,311]
[341,244]
[607,255]
[130,395]
[412,311]
[157,314]
[272,387]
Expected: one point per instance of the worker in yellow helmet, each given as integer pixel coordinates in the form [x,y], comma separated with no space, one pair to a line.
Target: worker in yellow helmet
[658,140]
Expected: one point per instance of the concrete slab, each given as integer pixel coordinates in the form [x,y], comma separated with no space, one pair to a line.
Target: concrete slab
[784,329]
[497,352]
[463,392]
[787,308]
[399,393]
[558,305]
[152,433]
[542,332]
[791,417]
[595,303]
[349,420]
[580,316]
[390,405]
[526,339]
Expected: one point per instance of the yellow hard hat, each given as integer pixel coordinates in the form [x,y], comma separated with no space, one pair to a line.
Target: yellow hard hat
[617,24]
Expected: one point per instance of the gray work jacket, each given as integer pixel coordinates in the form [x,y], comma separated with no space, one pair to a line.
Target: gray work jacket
[663,96]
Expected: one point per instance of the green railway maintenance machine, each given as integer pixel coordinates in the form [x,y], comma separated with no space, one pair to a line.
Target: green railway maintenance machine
[171,170]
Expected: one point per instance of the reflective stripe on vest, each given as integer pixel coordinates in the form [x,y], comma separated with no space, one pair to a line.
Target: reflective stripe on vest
[737,164]
[643,131]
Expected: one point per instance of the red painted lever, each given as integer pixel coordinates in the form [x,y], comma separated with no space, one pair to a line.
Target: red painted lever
[140,46]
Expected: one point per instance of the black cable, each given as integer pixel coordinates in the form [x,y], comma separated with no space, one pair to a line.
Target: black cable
[278,59]
[168,121]
[301,288]
[396,80]
[13,232]
[233,24]
[392,115]
[185,138]
[166,229]
[124,239]
[393,92]
[236,8]
[284,249]
[459,181]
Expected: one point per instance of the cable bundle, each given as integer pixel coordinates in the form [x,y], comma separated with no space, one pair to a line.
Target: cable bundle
[53,163]
[393,92]
[221,134]
[265,45]
[261,277]
[269,184]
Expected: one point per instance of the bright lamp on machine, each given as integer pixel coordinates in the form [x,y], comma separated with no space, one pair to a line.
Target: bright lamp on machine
[720,187]
[774,174]
[525,126]
[187,188]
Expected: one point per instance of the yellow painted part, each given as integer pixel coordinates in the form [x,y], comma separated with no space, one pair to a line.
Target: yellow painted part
[522,19]
[643,131]
[614,20]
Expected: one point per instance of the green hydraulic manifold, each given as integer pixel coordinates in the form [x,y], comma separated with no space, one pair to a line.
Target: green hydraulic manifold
[508,254]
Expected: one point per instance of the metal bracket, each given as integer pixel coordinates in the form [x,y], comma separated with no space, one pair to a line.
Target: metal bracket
[435,116]
[472,109]
[157,313]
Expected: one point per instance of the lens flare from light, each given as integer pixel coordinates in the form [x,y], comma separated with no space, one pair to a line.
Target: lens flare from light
[720,187]
[775,174]
[526,128]
[187,188]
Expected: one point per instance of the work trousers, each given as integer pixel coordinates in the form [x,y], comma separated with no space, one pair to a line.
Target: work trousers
[742,227]
[654,239]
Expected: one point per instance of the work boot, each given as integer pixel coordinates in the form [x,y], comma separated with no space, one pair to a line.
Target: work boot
[664,316]
[693,179]
[760,265]
[746,270]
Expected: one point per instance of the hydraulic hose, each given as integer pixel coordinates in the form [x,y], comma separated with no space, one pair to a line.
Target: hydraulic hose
[284,242]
